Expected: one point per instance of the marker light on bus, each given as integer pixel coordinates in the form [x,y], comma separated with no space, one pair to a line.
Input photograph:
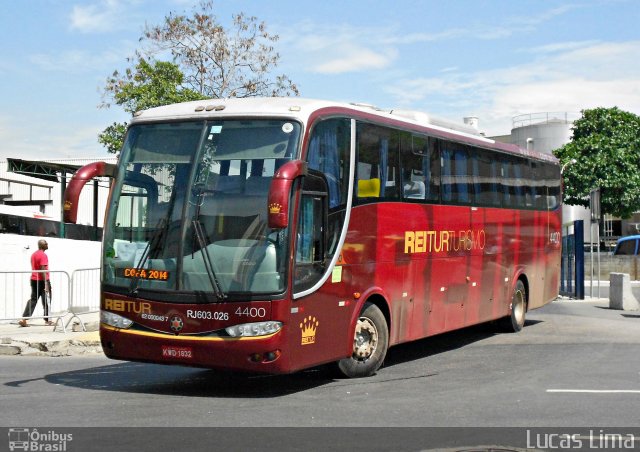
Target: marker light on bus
[254,329]
[268,357]
[115,320]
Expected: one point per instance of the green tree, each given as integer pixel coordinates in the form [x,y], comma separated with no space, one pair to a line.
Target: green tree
[150,84]
[606,147]
[113,136]
[218,62]
[209,61]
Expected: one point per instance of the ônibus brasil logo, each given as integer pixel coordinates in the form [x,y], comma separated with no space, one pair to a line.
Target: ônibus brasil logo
[30,439]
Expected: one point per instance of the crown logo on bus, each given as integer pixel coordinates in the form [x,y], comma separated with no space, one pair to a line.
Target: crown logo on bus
[67,205]
[308,327]
[275,208]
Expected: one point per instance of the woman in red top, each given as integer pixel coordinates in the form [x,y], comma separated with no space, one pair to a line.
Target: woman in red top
[40,284]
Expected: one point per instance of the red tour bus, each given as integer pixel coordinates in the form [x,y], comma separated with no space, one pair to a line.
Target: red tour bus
[272,235]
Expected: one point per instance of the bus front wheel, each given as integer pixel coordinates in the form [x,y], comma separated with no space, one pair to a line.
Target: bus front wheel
[515,322]
[370,343]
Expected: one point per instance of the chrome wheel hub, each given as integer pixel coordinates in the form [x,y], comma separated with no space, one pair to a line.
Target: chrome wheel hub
[366,339]
[518,306]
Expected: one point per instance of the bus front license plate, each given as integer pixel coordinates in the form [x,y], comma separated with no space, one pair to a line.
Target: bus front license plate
[177,352]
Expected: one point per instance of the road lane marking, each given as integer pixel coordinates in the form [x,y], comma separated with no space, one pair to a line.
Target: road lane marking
[596,391]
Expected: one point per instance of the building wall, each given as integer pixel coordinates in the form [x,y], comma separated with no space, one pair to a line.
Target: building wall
[64,254]
[23,188]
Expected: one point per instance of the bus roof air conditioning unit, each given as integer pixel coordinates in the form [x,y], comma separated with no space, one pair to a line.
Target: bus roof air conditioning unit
[425,119]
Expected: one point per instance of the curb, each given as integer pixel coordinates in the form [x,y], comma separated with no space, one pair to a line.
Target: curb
[87,343]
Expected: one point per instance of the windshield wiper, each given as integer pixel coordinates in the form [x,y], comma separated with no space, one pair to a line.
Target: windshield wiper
[151,247]
[206,258]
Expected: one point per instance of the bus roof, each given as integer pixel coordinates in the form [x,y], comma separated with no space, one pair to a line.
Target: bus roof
[302,109]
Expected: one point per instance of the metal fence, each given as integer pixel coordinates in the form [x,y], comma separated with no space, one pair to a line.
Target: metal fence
[75,294]
[531,119]
[572,265]
[85,293]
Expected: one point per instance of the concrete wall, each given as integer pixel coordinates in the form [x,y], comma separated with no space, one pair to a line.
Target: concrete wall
[80,290]
[64,254]
[612,264]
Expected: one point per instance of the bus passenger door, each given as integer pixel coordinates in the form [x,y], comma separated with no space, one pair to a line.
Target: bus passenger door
[320,312]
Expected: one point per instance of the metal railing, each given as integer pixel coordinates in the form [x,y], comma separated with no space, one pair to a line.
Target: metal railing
[15,290]
[85,293]
[75,294]
[531,119]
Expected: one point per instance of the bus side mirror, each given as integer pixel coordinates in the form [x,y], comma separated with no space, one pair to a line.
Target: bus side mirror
[280,193]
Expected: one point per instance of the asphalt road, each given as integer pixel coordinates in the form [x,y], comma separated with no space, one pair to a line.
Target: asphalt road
[575,364]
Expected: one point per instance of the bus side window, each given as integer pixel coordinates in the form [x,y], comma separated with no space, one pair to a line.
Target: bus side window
[431,169]
[309,244]
[420,168]
[456,183]
[513,183]
[505,185]
[368,162]
[329,153]
[389,158]
[522,183]
[532,186]
[485,179]
[552,183]
[547,186]
[377,168]
[311,239]
[414,153]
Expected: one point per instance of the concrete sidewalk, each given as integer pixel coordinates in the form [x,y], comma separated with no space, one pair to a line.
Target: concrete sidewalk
[40,339]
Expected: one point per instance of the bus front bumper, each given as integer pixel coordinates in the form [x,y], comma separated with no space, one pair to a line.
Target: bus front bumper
[263,354]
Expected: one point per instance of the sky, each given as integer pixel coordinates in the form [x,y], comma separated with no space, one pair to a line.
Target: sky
[494,59]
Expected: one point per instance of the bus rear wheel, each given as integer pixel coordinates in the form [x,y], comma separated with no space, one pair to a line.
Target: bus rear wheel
[370,343]
[515,322]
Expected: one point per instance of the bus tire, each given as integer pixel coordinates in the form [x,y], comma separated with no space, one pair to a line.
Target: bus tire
[370,343]
[515,321]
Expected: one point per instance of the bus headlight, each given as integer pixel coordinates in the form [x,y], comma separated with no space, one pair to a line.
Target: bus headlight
[254,329]
[115,320]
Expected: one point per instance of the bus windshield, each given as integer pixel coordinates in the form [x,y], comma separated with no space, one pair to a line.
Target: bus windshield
[188,209]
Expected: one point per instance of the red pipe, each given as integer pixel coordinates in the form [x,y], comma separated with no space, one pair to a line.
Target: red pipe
[78,181]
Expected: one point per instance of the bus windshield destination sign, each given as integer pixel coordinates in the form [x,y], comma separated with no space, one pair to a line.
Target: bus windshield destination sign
[145,273]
